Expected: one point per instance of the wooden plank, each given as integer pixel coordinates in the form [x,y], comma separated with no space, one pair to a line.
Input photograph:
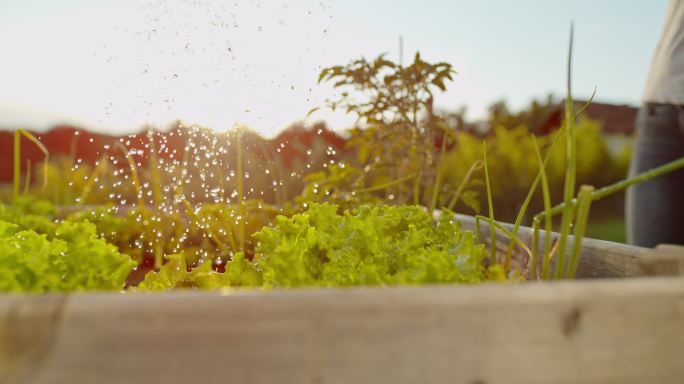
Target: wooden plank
[598,258]
[665,260]
[595,331]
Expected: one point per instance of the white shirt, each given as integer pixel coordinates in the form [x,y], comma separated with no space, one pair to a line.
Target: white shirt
[665,83]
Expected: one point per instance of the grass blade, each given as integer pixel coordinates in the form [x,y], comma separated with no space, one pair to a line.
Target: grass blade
[570,169]
[240,192]
[388,184]
[490,205]
[535,249]
[476,166]
[155,179]
[27,182]
[144,212]
[196,221]
[542,165]
[547,212]
[438,176]
[91,180]
[624,184]
[17,165]
[492,233]
[134,174]
[17,159]
[583,206]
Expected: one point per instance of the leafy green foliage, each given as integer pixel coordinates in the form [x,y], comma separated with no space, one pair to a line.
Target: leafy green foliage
[370,245]
[340,183]
[534,117]
[31,214]
[176,274]
[219,224]
[209,231]
[512,162]
[80,183]
[75,259]
[196,244]
[394,106]
[26,258]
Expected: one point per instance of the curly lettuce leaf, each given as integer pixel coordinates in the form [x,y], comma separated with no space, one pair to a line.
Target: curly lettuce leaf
[31,214]
[370,245]
[29,262]
[173,274]
[91,263]
[176,274]
[241,272]
[76,259]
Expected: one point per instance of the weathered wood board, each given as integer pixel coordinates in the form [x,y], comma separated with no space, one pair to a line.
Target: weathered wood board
[594,331]
[628,330]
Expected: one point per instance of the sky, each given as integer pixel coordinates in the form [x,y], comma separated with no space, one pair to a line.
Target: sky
[114,66]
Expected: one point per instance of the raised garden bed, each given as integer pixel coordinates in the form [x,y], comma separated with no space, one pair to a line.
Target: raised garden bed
[623,324]
[625,330]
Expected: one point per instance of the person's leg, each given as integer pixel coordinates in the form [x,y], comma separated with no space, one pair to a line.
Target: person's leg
[655,208]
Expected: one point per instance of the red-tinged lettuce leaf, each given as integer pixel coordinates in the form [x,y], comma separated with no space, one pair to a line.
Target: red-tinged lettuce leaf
[175,274]
[172,275]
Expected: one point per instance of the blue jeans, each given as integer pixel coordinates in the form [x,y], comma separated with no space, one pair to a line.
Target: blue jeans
[655,208]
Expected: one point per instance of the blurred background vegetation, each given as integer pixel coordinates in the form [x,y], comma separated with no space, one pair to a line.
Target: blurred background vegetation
[402,151]
[313,163]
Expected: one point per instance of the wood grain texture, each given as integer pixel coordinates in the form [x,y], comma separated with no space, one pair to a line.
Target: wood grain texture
[666,260]
[590,331]
[595,331]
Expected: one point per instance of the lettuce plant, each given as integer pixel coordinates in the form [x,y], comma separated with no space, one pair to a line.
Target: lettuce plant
[75,259]
[370,245]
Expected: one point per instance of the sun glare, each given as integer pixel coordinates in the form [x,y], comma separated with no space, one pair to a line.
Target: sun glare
[216,64]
